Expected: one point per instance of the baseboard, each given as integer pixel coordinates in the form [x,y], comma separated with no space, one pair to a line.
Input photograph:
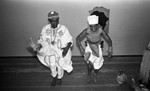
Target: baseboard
[74,56]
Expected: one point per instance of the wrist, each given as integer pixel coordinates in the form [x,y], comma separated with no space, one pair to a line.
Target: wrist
[110,48]
[34,48]
[69,45]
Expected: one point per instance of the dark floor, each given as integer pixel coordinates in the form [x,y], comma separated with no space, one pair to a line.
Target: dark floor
[27,74]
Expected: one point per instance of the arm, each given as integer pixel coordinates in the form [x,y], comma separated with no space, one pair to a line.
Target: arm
[65,49]
[79,39]
[35,47]
[40,43]
[109,42]
[66,41]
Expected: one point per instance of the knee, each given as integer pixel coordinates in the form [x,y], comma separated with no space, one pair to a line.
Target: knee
[87,56]
[90,65]
[96,71]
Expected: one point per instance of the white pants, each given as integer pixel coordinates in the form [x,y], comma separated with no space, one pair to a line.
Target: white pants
[52,62]
[96,61]
[57,64]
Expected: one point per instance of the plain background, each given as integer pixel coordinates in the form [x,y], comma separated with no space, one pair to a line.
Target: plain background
[129,23]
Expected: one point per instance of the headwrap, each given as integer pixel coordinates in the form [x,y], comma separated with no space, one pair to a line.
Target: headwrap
[53,14]
[93,19]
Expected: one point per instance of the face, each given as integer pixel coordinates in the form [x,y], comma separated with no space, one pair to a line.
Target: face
[94,27]
[54,22]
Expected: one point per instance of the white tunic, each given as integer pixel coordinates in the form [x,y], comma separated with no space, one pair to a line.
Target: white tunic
[61,37]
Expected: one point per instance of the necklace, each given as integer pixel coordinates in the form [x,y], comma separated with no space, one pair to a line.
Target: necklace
[53,36]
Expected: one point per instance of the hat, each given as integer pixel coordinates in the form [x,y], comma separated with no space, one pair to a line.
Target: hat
[93,19]
[53,14]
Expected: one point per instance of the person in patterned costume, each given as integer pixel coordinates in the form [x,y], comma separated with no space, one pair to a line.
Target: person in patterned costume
[54,48]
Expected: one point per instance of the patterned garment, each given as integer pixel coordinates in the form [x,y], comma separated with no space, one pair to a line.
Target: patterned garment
[52,41]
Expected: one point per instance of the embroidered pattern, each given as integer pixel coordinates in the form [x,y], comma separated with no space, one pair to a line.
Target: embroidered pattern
[60,33]
[48,40]
[48,31]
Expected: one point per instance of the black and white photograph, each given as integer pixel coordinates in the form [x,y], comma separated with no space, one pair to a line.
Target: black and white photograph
[75,45]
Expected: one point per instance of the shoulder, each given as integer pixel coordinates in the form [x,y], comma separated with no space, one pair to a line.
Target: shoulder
[61,26]
[103,32]
[48,26]
[62,29]
[46,29]
[83,33]
[86,30]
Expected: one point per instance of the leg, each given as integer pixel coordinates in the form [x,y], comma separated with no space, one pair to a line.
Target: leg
[60,75]
[89,69]
[89,65]
[95,75]
[54,81]
[59,81]
[54,75]
[53,69]
[98,64]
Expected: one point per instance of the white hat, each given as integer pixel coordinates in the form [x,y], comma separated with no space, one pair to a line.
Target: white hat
[93,19]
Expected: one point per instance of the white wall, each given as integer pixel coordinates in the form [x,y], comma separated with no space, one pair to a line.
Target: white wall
[21,19]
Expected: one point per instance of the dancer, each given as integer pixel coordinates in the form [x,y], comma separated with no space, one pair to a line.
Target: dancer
[54,48]
[92,52]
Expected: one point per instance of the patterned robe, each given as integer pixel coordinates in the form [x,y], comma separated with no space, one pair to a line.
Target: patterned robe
[52,42]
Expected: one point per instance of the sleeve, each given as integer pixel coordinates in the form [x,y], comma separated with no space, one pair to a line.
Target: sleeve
[66,38]
[42,38]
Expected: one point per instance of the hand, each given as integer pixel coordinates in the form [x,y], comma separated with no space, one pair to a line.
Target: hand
[110,52]
[87,56]
[40,53]
[65,50]
[31,43]
[82,51]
